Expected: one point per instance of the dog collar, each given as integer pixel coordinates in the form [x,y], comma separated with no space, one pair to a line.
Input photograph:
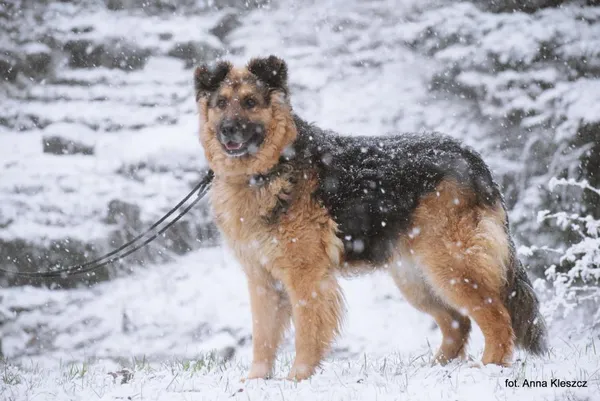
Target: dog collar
[281,168]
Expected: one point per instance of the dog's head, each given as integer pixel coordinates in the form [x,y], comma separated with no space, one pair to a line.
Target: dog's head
[246,115]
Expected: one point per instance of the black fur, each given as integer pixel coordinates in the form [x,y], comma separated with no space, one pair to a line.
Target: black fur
[272,71]
[372,185]
[207,79]
[524,308]
[285,198]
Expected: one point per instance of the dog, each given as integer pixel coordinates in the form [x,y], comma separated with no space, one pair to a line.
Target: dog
[300,206]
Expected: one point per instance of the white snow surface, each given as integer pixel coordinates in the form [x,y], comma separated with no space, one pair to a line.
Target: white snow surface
[178,313]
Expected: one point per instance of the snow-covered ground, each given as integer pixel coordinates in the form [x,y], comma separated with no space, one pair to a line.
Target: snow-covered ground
[183,331]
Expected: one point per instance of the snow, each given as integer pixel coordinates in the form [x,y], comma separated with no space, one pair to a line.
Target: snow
[33,181]
[35,48]
[177,314]
[355,67]
[393,378]
[143,30]
[145,121]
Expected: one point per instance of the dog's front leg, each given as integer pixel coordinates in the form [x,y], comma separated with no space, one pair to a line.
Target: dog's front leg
[271,312]
[317,304]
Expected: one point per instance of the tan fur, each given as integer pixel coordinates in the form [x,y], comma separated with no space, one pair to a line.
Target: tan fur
[451,263]
[412,283]
[275,254]
[271,312]
[279,252]
[462,254]
[278,119]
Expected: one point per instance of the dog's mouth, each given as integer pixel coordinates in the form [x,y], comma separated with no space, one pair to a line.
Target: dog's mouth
[238,149]
[234,146]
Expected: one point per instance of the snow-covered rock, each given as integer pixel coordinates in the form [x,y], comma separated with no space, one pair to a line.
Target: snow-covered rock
[37,59]
[68,139]
[110,52]
[9,66]
[195,52]
[226,25]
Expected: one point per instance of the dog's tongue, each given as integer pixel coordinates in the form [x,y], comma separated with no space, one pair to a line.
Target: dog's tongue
[233,145]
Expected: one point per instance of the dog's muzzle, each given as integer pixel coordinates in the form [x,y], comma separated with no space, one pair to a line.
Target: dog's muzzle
[240,137]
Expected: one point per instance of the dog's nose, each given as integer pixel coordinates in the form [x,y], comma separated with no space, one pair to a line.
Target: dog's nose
[233,130]
[228,128]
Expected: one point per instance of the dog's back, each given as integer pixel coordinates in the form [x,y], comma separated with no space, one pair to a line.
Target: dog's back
[372,185]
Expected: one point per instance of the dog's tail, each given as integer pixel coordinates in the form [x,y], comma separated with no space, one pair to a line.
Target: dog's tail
[524,308]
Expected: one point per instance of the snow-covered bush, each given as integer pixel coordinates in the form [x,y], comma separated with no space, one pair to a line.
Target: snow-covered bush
[575,275]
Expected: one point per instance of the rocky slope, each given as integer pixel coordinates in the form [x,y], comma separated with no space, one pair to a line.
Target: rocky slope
[98,122]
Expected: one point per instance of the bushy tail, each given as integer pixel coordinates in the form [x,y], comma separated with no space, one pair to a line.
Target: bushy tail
[524,308]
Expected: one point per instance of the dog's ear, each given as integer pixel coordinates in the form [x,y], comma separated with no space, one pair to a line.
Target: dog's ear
[272,71]
[207,79]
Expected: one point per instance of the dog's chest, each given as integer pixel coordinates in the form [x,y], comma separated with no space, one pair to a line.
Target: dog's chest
[263,231]
[249,217]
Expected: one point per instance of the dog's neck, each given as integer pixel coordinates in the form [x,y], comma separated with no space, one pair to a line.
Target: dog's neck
[283,167]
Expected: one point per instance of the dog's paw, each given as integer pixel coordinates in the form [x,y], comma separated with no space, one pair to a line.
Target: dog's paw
[299,373]
[255,377]
[257,371]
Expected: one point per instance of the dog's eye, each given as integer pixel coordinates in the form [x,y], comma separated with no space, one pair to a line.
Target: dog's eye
[249,103]
[221,103]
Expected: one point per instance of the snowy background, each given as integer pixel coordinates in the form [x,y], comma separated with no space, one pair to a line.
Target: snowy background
[98,139]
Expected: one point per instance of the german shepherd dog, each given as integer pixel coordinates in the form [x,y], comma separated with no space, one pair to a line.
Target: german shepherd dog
[299,206]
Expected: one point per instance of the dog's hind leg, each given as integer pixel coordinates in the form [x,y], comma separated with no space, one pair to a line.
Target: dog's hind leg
[455,327]
[463,249]
[271,314]
[469,292]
